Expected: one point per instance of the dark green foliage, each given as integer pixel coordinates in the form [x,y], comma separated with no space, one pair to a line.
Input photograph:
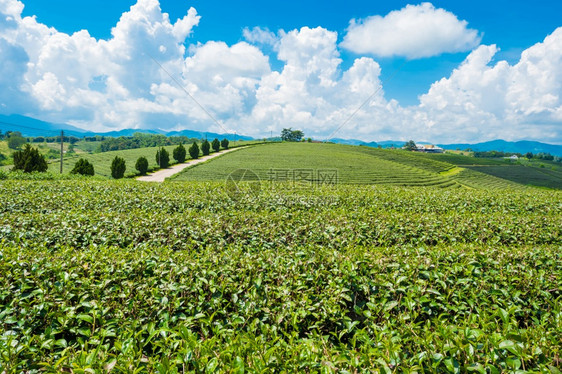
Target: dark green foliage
[162,158]
[180,153]
[53,154]
[529,155]
[290,135]
[205,147]
[225,143]
[216,145]
[194,151]
[118,167]
[142,165]
[29,159]
[410,145]
[83,167]
[15,141]
[349,279]
[544,156]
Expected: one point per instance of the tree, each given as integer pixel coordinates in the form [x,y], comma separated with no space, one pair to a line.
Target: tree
[290,135]
[224,143]
[410,145]
[118,167]
[194,151]
[142,165]
[298,135]
[83,167]
[16,141]
[529,155]
[180,153]
[205,147]
[162,158]
[29,159]
[216,145]
[1,135]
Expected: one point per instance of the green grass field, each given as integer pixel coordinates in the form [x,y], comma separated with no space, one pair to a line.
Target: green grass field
[364,165]
[102,161]
[100,276]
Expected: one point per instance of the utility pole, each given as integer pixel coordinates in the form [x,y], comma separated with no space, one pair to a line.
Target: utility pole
[61,148]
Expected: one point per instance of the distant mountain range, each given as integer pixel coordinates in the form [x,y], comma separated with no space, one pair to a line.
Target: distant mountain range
[522,146]
[33,127]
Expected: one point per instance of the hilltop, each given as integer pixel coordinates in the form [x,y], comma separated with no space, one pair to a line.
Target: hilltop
[308,163]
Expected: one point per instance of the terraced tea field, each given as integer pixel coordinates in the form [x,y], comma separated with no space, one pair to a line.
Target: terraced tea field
[363,165]
[524,174]
[122,276]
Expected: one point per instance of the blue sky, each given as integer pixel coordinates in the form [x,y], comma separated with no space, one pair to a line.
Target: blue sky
[303,89]
[512,25]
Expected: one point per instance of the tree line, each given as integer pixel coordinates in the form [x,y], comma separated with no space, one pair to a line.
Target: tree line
[118,165]
[529,155]
[141,140]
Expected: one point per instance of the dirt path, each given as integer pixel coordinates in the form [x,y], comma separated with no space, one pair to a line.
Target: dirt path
[161,175]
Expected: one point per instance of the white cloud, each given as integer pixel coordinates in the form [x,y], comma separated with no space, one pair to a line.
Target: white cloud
[259,35]
[415,31]
[115,83]
[500,101]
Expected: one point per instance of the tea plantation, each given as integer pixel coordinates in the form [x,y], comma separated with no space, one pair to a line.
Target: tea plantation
[125,277]
[366,165]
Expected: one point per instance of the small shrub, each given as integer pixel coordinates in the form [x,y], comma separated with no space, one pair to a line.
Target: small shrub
[180,153]
[83,167]
[142,165]
[118,167]
[29,160]
[224,143]
[205,147]
[15,142]
[194,151]
[162,158]
[216,145]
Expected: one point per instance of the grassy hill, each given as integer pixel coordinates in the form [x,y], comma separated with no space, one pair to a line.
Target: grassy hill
[101,161]
[306,162]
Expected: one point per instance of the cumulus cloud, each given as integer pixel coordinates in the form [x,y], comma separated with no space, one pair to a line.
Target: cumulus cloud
[500,101]
[124,81]
[415,31]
